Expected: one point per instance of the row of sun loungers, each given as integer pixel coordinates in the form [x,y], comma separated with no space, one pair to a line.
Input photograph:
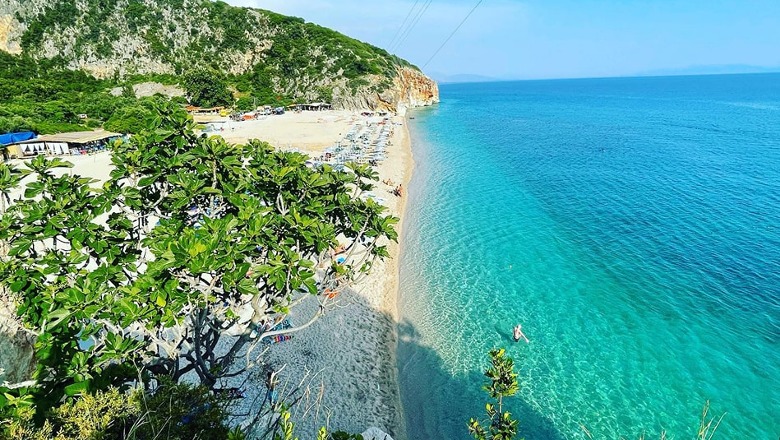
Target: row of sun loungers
[365,143]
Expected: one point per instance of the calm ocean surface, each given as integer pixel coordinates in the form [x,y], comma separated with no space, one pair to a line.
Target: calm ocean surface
[631,225]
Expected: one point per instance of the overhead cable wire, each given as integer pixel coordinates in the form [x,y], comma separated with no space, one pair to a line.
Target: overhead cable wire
[398,32]
[452,34]
[412,25]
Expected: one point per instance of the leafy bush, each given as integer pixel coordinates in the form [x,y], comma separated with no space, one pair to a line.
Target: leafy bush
[88,417]
[502,382]
[171,412]
[130,119]
[207,88]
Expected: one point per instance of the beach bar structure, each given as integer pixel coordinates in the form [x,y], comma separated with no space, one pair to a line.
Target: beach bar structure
[206,111]
[314,106]
[80,142]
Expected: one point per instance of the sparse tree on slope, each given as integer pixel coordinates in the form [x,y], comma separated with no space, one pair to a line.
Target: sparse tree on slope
[207,88]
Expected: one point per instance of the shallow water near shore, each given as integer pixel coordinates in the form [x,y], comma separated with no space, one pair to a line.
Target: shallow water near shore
[631,225]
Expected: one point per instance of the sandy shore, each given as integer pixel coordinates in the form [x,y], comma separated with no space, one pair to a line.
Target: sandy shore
[344,365]
[309,132]
[349,354]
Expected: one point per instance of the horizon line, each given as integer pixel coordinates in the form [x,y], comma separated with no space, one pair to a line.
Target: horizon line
[496,80]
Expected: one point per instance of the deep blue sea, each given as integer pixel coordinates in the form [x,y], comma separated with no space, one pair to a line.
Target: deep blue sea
[632,225]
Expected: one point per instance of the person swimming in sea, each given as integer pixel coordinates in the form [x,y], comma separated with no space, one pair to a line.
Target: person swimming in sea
[518,334]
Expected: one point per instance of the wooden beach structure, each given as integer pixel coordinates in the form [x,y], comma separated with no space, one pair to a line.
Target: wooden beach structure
[79,142]
[312,107]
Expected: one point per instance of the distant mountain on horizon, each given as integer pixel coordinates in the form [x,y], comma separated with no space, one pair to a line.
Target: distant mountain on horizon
[722,69]
[725,69]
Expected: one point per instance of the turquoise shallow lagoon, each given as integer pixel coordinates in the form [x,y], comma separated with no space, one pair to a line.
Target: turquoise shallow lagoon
[632,225]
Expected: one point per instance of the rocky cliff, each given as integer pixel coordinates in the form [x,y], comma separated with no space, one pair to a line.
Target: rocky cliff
[414,89]
[16,345]
[410,88]
[284,56]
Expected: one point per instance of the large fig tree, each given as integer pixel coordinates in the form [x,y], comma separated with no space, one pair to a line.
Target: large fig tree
[181,262]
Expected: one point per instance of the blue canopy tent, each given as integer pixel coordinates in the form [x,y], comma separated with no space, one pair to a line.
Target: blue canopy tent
[12,138]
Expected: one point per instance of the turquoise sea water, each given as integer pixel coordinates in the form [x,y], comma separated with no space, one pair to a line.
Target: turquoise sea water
[631,225]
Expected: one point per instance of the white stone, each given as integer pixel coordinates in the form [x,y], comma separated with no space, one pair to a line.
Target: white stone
[375,434]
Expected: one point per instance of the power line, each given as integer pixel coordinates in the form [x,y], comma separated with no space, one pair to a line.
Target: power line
[398,32]
[452,34]
[412,25]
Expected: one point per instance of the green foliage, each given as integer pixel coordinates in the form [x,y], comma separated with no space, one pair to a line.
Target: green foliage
[182,412]
[150,268]
[284,429]
[127,91]
[53,16]
[207,88]
[171,412]
[245,104]
[132,118]
[41,97]
[88,417]
[341,435]
[502,382]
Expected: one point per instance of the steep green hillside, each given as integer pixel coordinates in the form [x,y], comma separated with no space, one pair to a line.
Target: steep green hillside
[266,56]
[42,97]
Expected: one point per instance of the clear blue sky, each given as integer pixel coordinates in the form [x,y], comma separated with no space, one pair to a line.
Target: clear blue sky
[558,38]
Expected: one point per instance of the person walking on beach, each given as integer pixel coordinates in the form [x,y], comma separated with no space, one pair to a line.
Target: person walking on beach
[518,334]
[270,383]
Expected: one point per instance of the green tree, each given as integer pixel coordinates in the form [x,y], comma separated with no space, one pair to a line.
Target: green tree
[130,119]
[192,244]
[502,382]
[246,104]
[207,88]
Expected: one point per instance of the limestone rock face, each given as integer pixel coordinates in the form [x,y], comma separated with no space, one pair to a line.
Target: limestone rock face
[146,89]
[410,88]
[11,29]
[16,346]
[414,89]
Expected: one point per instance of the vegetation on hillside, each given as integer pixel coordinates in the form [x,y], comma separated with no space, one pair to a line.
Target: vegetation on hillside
[288,59]
[207,88]
[42,97]
[190,43]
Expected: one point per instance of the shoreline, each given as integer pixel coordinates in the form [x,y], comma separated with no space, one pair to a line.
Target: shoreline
[347,360]
[394,295]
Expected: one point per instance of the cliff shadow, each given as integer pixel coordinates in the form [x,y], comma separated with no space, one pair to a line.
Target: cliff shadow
[438,404]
